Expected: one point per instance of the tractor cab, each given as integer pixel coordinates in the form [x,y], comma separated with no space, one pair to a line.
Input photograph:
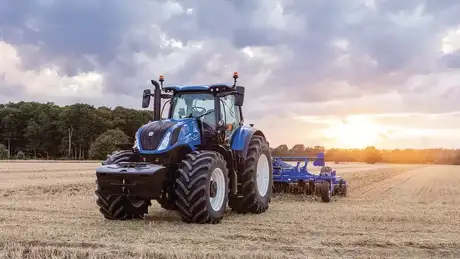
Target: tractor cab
[216,107]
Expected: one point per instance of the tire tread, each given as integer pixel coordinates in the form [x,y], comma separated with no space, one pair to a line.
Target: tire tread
[191,187]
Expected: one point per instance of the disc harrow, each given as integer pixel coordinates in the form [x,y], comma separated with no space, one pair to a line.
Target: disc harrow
[300,187]
[298,180]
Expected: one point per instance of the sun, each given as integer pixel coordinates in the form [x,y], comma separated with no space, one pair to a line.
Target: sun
[354,132]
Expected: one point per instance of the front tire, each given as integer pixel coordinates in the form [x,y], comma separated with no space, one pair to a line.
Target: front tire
[256,179]
[119,156]
[202,187]
[119,207]
[116,207]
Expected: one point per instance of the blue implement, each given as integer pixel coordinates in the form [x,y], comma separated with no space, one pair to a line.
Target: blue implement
[296,179]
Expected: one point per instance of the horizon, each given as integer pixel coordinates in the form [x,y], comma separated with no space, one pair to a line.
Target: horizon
[272,146]
[338,75]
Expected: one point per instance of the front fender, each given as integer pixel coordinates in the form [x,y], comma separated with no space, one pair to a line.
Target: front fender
[241,139]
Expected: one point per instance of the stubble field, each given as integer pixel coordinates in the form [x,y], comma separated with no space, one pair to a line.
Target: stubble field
[48,210]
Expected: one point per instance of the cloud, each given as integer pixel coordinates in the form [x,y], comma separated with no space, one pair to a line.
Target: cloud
[296,58]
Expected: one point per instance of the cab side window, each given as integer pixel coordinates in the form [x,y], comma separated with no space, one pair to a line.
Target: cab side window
[230,113]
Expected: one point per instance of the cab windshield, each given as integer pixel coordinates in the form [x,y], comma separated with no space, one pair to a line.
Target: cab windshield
[194,105]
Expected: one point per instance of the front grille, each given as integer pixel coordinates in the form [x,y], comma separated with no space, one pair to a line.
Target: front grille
[158,129]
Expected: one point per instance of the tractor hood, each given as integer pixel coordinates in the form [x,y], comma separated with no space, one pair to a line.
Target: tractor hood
[164,135]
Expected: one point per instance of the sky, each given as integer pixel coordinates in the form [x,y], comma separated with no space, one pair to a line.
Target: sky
[330,73]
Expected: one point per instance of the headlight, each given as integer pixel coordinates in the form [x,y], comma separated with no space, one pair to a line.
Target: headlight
[165,142]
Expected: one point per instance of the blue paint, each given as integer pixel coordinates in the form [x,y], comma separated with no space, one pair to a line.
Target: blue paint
[287,173]
[189,136]
[241,139]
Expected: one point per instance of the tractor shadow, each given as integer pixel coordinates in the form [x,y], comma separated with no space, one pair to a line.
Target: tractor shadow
[289,197]
[161,215]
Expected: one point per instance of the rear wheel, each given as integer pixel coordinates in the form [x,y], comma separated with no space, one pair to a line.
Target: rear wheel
[202,187]
[256,179]
[119,207]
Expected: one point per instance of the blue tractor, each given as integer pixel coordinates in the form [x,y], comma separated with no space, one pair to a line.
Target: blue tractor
[196,161]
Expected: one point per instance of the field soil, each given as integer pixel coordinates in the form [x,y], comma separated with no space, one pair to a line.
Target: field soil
[48,210]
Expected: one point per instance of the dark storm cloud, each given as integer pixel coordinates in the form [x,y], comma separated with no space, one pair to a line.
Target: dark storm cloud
[386,43]
[70,29]
[65,28]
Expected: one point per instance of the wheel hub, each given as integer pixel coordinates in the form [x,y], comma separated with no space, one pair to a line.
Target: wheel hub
[263,175]
[217,189]
[212,189]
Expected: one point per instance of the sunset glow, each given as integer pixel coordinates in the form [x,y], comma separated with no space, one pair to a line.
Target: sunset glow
[354,132]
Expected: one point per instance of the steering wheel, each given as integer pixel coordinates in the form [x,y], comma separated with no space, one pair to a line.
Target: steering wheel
[197,109]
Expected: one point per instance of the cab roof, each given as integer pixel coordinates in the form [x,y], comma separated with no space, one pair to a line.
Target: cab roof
[183,88]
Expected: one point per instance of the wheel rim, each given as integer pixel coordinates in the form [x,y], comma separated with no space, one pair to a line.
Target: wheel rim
[263,175]
[217,188]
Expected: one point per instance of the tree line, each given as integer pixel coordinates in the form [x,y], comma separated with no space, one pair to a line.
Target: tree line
[373,155]
[49,131]
[82,131]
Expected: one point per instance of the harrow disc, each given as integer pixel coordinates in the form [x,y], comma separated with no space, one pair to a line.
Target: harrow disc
[294,188]
[342,189]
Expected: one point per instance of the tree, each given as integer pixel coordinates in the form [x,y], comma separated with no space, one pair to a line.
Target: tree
[456,160]
[3,152]
[281,150]
[297,150]
[9,127]
[20,155]
[372,155]
[106,143]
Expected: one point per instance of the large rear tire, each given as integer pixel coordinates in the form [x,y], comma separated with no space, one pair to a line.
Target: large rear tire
[118,207]
[256,179]
[202,187]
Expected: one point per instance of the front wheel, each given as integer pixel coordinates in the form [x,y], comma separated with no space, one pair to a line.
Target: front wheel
[120,207]
[202,187]
[117,207]
[256,179]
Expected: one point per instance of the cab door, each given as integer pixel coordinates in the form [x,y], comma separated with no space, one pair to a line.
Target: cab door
[231,115]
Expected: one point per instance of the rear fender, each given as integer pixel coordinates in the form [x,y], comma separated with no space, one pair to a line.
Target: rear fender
[241,139]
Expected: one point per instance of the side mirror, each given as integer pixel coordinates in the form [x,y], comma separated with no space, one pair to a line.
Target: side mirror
[146,98]
[239,97]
